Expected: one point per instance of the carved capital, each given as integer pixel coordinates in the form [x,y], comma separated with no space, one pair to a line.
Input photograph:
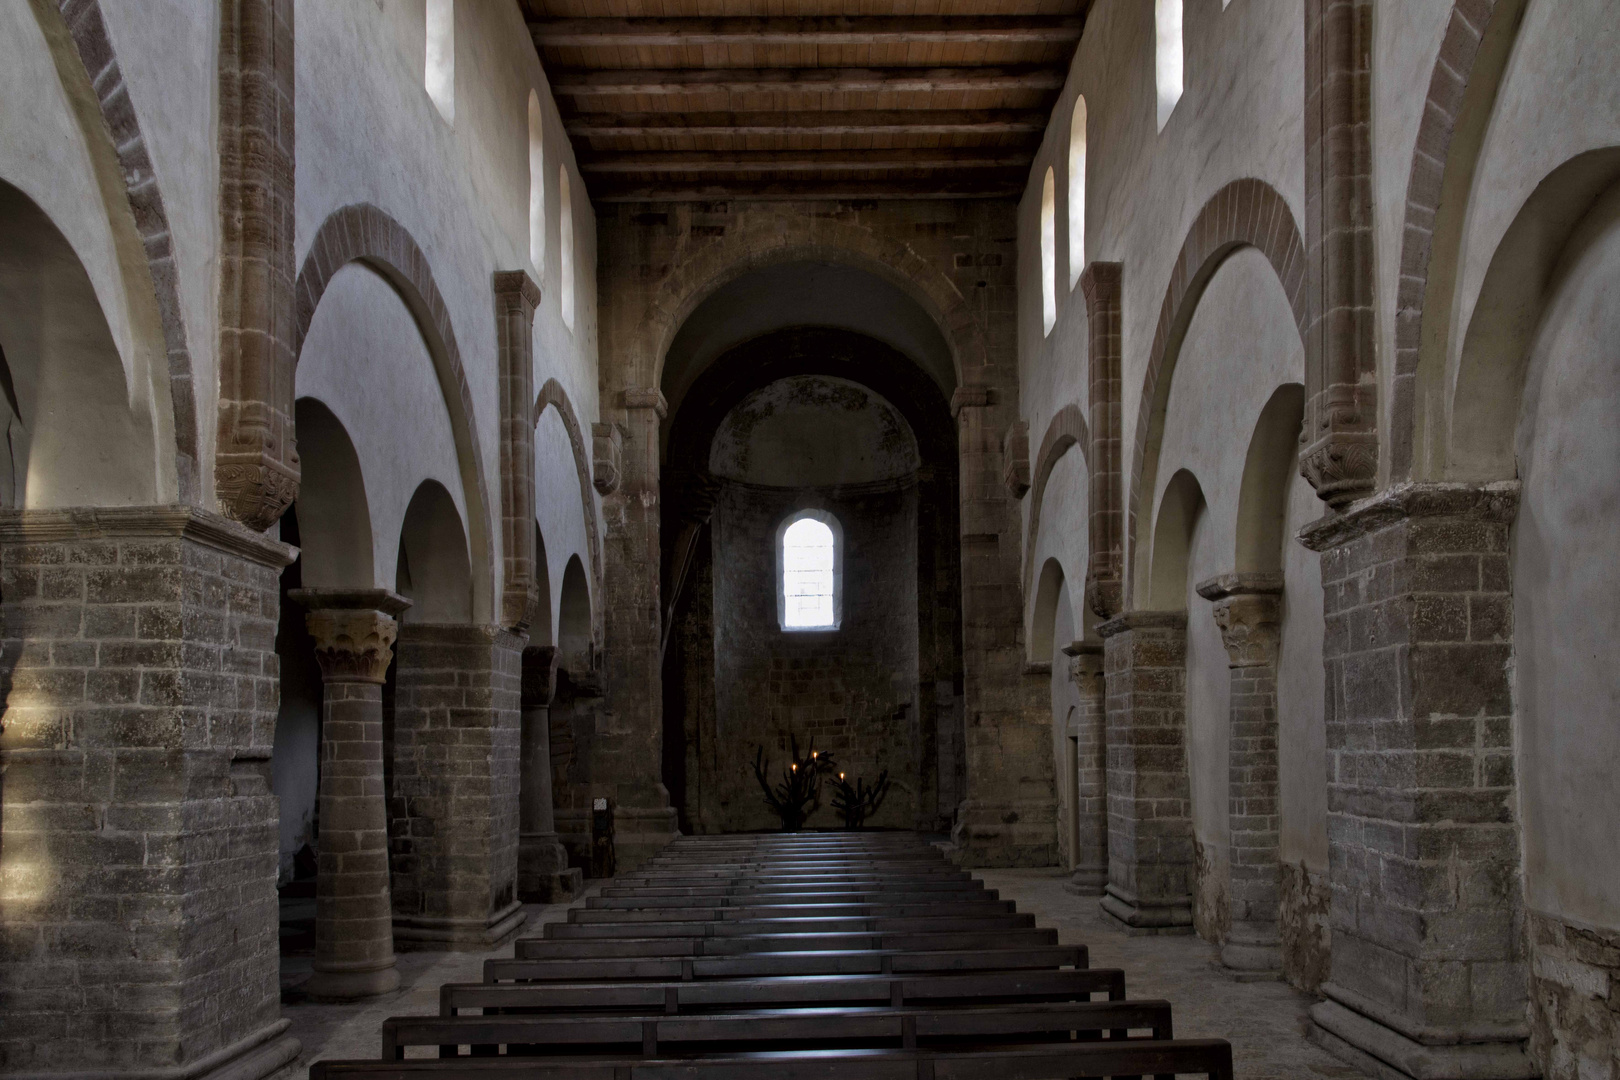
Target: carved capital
[1248,611]
[607,453]
[255,487]
[1015,459]
[1341,463]
[1105,596]
[1086,667]
[970,396]
[539,676]
[354,630]
[516,291]
[646,397]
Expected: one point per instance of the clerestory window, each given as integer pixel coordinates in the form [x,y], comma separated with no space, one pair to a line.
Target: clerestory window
[1168,56]
[440,76]
[809,566]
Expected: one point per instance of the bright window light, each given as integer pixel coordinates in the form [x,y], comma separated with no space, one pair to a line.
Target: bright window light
[537,187]
[807,576]
[441,56]
[1048,252]
[1077,191]
[565,242]
[1167,67]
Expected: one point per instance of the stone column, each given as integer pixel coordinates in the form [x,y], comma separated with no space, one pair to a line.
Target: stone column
[1428,971]
[354,932]
[1247,609]
[1150,844]
[1009,817]
[137,824]
[453,821]
[544,875]
[622,759]
[1091,785]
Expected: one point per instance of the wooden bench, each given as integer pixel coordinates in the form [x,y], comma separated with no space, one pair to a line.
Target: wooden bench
[1063,984]
[758,965]
[1211,1058]
[863,1027]
[557,949]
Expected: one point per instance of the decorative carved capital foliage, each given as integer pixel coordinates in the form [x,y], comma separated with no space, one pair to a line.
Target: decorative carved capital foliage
[1015,459]
[1249,612]
[540,666]
[516,296]
[607,452]
[1339,440]
[354,630]
[1086,667]
[646,397]
[256,470]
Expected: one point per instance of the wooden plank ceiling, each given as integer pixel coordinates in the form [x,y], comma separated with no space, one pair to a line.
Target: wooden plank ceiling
[716,99]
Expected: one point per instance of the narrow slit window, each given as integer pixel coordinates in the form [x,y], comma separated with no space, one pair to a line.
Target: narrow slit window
[808,556]
[440,79]
[565,244]
[1048,252]
[537,187]
[1168,58]
[1077,191]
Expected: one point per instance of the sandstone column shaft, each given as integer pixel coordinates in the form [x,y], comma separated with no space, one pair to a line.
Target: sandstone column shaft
[354,928]
[1246,608]
[1090,731]
[1150,844]
[543,871]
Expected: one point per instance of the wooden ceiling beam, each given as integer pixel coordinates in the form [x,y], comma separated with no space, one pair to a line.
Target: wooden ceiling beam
[833,30]
[771,161]
[807,190]
[684,82]
[873,122]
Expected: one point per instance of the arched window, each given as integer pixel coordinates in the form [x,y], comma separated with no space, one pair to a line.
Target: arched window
[809,594]
[1077,191]
[1167,61]
[565,242]
[1048,252]
[440,79]
[537,187]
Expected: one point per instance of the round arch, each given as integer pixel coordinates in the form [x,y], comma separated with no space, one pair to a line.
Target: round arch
[1066,430]
[432,569]
[362,233]
[1172,541]
[334,515]
[574,641]
[1051,591]
[1268,469]
[777,238]
[553,395]
[1244,213]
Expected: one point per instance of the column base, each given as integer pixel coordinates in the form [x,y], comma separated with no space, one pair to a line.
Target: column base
[340,986]
[1141,917]
[1004,834]
[1253,952]
[1087,881]
[422,934]
[544,876]
[1381,1051]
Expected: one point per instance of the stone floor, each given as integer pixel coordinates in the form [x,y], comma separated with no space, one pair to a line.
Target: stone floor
[1264,1021]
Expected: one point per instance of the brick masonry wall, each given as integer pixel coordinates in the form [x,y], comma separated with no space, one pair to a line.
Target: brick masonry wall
[138,913]
[1427,919]
[1574,999]
[453,807]
[852,689]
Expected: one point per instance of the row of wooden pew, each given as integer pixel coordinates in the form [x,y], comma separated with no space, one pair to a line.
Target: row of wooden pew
[809,956]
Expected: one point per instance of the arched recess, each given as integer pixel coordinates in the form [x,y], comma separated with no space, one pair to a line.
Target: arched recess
[137,214]
[1048,595]
[1172,541]
[362,233]
[574,619]
[1244,213]
[552,394]
[1488,387]
[432,568]
[1066,430]
[777,238]
[334,518]
[1268,471]
[1462,93]
[73,433]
